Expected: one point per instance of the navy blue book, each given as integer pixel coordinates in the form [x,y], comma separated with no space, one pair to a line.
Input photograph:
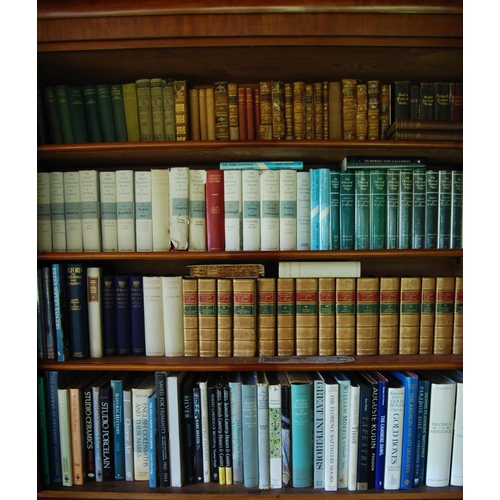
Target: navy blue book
[161,418]
[347,210]
[43,434]
[109,316]
[419,430]
[189,438]
[48,313]
[409,380]
[122,309]
[335,209]
[152,442]
[106,412]
[137,334]
[52,381]
[76,294]
[60,312]
[425,426]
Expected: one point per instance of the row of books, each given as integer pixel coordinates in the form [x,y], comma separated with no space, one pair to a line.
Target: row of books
[86,313]
[249,210]
[157,109]
[269,430]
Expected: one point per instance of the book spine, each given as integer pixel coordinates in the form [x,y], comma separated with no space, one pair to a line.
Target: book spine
[57,215]
[405,209]
[250,113]
[414,101]
[269,209]
[224,317]
[179,207]
[456,237]
[306,316]
[125,210]
[108,316]
[154,343]
[228,458]
[40,317]
[275,437]
[363,464]
[233,239]
[123,327]
[157,111]
[181,111]
[51,113]
[326,316]
[233,111]
[251,209]
[160,209]
[373,89]
[205,429]
[378,209]
[401,100]
[443,324]
[52,379]
[152,452]
[236,436]
[198,434]
[431,208]
[187,414]
[90,212]
[388,315]
[278,110]
[303,211]
[127,434]
[265,129]
[444,209]
[324,208]
[335,209]
[427,314]
[108,215]
[361,210]
[94,309]
[285,317]
[60,313]
[314,209]
[176,449]
[106,413]
[42,133]
[394,445]
[89,444]
[298,110]
[190,316]
[140,422]
[49,313]
[73,214]
[221,107]
[202,106]
[169,109]
[215,210]
[250,435]
[173,329]
[385,108]
[64,113]
[347,210]
[118,112]
[76,431]
[288,89]
[318,110]
[331,446]
[381,438]
[367,315]
[207,317]
[143,215]
[244,317]
[418,210]
[442,101]
[458,314]
[263,433]
[242,114]
[409,315]
[137,332]
[116,405]
[131,112]
[319,430]
[349,108]
[335,110]
[426,100]
[345,316]
[197,214]
[288,210]
[309,111]
[77,114]
[393,184]
[96,406]
[143,89]
[361,111]
[65,437]
[266,316]
[456,101]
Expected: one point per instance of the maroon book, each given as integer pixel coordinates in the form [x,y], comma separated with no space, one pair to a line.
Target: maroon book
[242,114]
[214,197]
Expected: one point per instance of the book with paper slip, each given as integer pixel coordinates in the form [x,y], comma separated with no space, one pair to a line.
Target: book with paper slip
[319,269]
[262,165]
[226,271]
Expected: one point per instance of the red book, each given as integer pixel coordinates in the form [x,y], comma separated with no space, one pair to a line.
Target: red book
[250,114]
[256,98]
[242,114]
[214,196]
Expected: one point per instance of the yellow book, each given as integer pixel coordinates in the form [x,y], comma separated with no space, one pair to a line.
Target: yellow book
[409,315]
[458,312]
[266,316]
[194,112]
[388,315]
[427,313]
[443,324]
[181,111]
[224,317]
[345,319]
[207,318]
[326,316]
[131,112]
[306,316]
[190,316]
[143,88]
[244,317]
[285,316]
[367,316]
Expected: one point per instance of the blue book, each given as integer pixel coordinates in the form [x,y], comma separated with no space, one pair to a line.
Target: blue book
[425,428]
[456,208]
[40,319]
[152,462]
[76,294]
[347,210]
[250,433]
[431,208]
[361,210]
[335,209]
[378,209]
[444,209]
[405,209]
[122,309]
[48,313]
[60,307]
[52,381]
[392,209]
[236,430]
[419,431]
[324,208]
[302,418]
[409,381]
[314,187]
[418,216]
[108,316]
[137,332]
[161,418]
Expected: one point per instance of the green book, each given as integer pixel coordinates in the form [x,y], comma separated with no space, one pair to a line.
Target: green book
[444,209]
[169,109]
[52,115]
[118,112]
[335,209]
[62,101]
[418,217]
[131,112]
[42,133]
[378,209]
[405,208]
[456,208]
[106,112]
[392,209]
[94,131]
[431,208]
[77,112]
[346,210]
[361,209]
[143,89]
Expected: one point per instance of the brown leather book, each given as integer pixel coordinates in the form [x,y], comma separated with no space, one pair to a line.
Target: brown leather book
[299,116]
[256,100]
[458,313]
[309,111]
[443,323]
[334,110]
[190,316]
[427,314]
[457,102]
[349,109]
[214,200]
[233,107]
[266,317]
[244,317]
[181,107]
[388,315]
[367,317]
[409,315]
[226,270]
[345,316]
[385,108]
[326,110]
[306,316]
[242,114]
[221,108]
[326,316]
[361,112]
[266,111]
[207,318]
[250,113]
[286,316]
[210,101]
[278,109]
[194,111]
[224,317]
[288,111]
[410,126]
[373,110]
[318,110]
[202,105]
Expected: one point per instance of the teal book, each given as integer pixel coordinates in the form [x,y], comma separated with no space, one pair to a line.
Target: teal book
[301,422]
[405,209]
[52,114]
[118,112]
[63,111]
[319,430]
[418,216]
[250,430]
[106,112]
[456,208]
[392,209]
[444,209]
[92,118]
[431,208]
[236,429]
[151,429]
[77,113]
[60,308]
[346,210]
[335,209]
[361,210]
[314,186]
[324,208]
[378,209]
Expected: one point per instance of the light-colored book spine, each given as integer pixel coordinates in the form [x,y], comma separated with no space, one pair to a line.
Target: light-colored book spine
[89,199]
[205,434]
[443,325]
[263,426]
[179,207]
[94,311]
[236,430]
[207,317]
[57,217]
[143,214]
[352,462]
[153,316]
[314,208]
[157,109]
[303,211]
[251,209]
[457,465]
[319,431]
[269,209]
[266,316]
[125,210]
[261,165]
[285,317]
[233,210]
[319,269]
[197,215]
[176,450]
[306,316]
[244,317]
[224,317]
[73,213]
[326,316]
[288,210]
[96,417]
[143,88]
[389,315]
[109,222]
[427,314]
[331,434]
[65,436]
[409,314]
[173,328]
[367,315]
[345,319]
[44,224]
[160,209]
[324,209]
[190,314]
[344,390]
[275,438]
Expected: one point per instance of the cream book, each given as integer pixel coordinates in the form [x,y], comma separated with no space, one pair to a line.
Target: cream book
[94,311]
[303,211]
[44,225]
[288,210]
[179,207]
[232,211]
[153,316]
[73,214]
[160,209]
[250,185]
[57,217]
[319,269]
[269,209]
[109,222]
[197,215]
[125,210]
[173,324]
[89,200]
[143,216]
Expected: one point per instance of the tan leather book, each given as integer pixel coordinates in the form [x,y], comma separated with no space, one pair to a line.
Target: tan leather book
[443,324]
[286,316]
[458,312]
[349,109]
[299,117]
[266,111]
[224,317]
[409,315]
[306,316]
[207,318]
[367,316]
[210,103]
[181,106]
[385,108]
[326,110]
[388,335]
[427,314]
[278,109]
[221,108]
[190,316]
[361,112]
[373,87]
[345,316]
[202,106]
[326,316]
[334,110]
[318,110]
[309,111]
[266,317]
[244,317]
[288,110]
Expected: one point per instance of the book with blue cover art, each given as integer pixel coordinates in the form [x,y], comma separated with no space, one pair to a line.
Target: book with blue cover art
[152,457]
[335,209]
[324,209]
[314,190]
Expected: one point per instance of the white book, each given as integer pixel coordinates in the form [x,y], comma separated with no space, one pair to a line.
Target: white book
[160,209]
[109,223]
[269,209]
[65,436]
[57,217]
[457,465]
[236,430]
[263,429]
[94,311]
[143,217]
[303,211]
[175,441]
[319,269]
[72,212]
[153,316]
[331,432]
[173,326]
[205,428]
[275,432]
[352,460]
[44,224]
[91,213]
[288,210]
[319,431]
[179,207]
[344,393]
[197,214]
[250,192]
[125,210]
[233,210]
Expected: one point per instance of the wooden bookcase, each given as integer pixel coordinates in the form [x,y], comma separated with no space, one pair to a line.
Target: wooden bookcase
[120,41]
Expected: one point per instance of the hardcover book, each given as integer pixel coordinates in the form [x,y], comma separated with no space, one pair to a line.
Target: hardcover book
[431,208]
[458,314]
[221,107]
[108,216]
[244,317]
[131,110]
[60,313]
[275,431]
[94,308]
[334,110]
[263,430]
[418,210]
[207,317]
[232,97]
[77,114]
[378,209]
[57,215]
[444,209]
[236,426]
[169,109]
[303,211]
[306,316]
[90,213]
[250,431]
[456,237]
[233,222]
[108,315]
[197,215]
[215,211]
[63,100]
[173,328]
[393,209]
[118,112]
[143,213]
[125,210]
[157,114]
[278,110]
[324,209]
[347,211]
[123,306]
[269,209]
[405,209]
[335,209]
[153,316]
[265,129]
[388,315]
[250,182]
[326,316]
[443,322]
[361,210]
[285,320]
[349,108]
[266,316]
[299,118]
[345,316]
[160,209]
[52,115]
[427,314]
[314,208]
[367,316]
[73,213]
[224,317]
[190,316]
[179,207]
[143,89]
[409,314]
[331,432]
[288,210]
[312,269]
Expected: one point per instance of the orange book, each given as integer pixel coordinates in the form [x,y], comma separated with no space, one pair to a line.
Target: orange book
[194,111]
[256,98]
[334,110]
[242,114]
[367,316]
[458,313]
[326,316]
[250,113]
[190,316]
[202,106]
[345,316]
[409,315]
[286,316]
[306,316]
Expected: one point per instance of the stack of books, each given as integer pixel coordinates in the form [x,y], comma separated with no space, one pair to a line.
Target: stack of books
[424,130]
